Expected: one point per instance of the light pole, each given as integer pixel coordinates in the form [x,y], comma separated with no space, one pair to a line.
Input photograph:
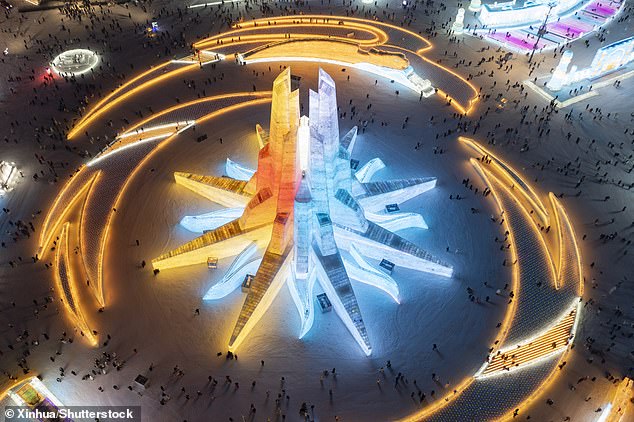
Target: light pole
[542,30]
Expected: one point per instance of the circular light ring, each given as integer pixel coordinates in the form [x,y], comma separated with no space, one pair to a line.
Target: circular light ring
[75,62]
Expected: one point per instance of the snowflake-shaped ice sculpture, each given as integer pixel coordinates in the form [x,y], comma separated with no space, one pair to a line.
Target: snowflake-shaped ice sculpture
[302,205]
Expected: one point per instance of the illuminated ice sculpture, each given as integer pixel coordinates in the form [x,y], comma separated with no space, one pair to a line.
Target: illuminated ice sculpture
[559,77]
[75,62]
[458,25]
[303,206]
[8,176]
[607,59]
[475,5]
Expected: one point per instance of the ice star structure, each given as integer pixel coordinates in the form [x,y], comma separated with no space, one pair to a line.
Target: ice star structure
[313,215]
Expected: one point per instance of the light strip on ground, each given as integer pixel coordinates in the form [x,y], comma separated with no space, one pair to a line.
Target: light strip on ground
[99,109]
[524,346]
[367,67]
[128,133]
[49,226]
[62,253]
[128,146]
[215,3]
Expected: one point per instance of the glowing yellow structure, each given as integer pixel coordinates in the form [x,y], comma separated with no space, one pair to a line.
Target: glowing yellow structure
[346,52]
[372,45]
[554,340]
[267,218]
[620,405]
[138,84]
[67,288]
[65,201]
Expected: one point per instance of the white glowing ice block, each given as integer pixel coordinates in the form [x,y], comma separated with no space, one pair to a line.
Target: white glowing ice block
[364,272]
[238,171]
[365,173]
[242,265]
[397,221]
[8,176]
[378,243]
[211,220]
[301,290]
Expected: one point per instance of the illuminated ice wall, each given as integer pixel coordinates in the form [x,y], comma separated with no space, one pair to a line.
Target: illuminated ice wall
[607,59]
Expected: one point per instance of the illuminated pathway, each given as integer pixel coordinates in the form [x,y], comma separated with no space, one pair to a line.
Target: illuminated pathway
[540,324]
[260,37]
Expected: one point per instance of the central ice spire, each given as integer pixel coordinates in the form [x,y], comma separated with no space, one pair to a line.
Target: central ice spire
[303,206]
[303,143]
